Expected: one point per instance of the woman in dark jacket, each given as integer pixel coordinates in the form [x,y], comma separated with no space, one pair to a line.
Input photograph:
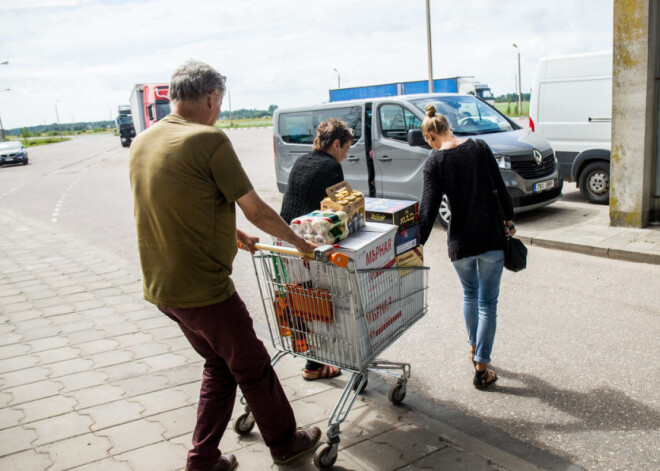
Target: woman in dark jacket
[310,176]
[465,170]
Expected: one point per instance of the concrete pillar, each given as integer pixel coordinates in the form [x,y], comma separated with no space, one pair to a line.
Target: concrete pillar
[634,111]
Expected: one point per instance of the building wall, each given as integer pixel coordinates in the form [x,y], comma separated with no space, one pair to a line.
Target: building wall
[634,112]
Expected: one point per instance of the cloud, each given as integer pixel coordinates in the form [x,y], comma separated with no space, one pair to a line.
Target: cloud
[89,53]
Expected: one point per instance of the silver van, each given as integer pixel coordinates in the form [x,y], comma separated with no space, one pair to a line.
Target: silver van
[387,157]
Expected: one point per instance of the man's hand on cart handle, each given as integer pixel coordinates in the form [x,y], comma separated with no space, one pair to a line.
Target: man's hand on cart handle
[246,241]
[306,247]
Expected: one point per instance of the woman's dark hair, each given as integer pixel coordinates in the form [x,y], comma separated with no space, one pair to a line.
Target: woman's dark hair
[328,131]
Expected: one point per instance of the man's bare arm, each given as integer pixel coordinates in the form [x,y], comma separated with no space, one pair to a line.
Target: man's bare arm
[266,219]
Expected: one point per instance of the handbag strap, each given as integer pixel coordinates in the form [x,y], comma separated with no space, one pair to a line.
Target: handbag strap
[507,236]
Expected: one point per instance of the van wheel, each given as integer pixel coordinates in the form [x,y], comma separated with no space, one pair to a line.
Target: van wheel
[594,182]
[444,214]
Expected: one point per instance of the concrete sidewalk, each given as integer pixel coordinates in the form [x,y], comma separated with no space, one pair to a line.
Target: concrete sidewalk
[94,378]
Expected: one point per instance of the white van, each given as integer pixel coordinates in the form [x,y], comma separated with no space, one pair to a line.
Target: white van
[389,150]
[571,106]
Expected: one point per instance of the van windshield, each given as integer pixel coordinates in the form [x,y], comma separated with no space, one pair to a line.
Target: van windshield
[467,115]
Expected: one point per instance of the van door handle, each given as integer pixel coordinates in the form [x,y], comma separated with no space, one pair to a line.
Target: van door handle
[599,120]
[352,158]
[384,158]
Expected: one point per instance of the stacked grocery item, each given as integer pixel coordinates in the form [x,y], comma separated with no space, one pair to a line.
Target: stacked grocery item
[322,227]
[405,215]
[341,197]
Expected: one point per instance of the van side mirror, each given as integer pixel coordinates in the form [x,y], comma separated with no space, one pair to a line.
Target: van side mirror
[416,138]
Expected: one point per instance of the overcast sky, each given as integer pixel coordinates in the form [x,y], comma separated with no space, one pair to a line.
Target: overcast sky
[84,56]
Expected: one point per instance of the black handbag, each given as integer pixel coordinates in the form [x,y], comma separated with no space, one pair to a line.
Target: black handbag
[515,252]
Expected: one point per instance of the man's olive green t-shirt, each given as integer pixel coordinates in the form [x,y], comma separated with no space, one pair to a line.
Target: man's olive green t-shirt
[185,179]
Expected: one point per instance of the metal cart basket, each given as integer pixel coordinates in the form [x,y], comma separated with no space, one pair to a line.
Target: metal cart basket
[328,311]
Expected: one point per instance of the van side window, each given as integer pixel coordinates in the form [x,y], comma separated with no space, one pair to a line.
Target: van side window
[396,121]
[297,128]
[300,128]
[351,116]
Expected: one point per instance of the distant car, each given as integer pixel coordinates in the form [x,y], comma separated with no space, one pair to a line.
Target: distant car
[13,152]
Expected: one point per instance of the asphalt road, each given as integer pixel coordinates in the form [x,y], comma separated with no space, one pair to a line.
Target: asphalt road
[577,343]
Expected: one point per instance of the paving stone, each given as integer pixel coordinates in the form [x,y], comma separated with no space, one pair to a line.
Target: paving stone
[191,390]
[10,417]
[61,319]
[41,333]
[57,354]
[51,343]
[10,339]
[96,395]
[115,330]
[137,306]
[138,385]
[115,357]
[106,292]
[124,371]
[182,375]
[29,375]
[166,333]
[133,435]
[25,461]
[163,456]
[68,367]
[58,310]
[16,307]
[154,322]
[108,464]
[33,391]
[104,321]
[24,315]
[135,338]
[164,361]
[161,401]
[33,324]
[14,350]
[120,299]
[376,456]
[59,428]
[88,304]
[16,298]
[97,346]
[76,451]
[147,350]
[83,336]
[79,326]
[45,408]
[113,413]
[7,328]
[17,363]
[98,312]
[176,422]
[82,380]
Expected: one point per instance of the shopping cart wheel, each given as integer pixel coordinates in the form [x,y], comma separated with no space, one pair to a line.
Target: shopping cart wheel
[357,384]
[244,424]
[325,456]
[397,393]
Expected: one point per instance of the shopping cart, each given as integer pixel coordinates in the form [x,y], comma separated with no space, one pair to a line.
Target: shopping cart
[324,309]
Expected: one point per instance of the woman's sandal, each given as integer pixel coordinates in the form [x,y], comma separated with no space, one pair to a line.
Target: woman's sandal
[326,371]
[482,379]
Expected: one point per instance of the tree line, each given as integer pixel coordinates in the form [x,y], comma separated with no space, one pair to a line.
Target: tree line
[513,97]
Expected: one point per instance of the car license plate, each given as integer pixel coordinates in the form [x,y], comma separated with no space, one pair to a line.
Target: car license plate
[542,186]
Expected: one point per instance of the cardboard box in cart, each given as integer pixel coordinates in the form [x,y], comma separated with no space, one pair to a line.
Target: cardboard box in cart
[401,213]
[354,209]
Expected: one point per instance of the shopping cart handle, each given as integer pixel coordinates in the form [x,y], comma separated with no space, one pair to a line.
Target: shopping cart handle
[324,253]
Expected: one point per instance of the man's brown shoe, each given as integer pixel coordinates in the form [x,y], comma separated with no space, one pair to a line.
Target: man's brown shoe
[305,440]
[225,463]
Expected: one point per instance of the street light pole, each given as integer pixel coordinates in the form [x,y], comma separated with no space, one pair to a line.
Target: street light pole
[338,78]
[58,121]
[428,45]
[2,129]
[519,87]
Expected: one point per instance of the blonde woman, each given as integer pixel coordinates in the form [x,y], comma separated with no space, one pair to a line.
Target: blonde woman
[463,169]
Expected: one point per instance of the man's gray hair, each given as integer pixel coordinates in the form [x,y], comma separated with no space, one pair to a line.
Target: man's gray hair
[195,80]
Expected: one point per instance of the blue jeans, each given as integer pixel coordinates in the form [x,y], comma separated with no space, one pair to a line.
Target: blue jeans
[480,276]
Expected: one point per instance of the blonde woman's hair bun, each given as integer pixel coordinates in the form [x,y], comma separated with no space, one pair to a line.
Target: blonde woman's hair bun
[430,111]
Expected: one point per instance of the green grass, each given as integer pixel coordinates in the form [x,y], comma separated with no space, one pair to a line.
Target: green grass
[41,142]
[244,123]
[501,107]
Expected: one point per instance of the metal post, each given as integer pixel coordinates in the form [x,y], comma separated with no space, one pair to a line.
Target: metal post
[519,86]
[338,78]
[2,132]
[231,122]
[58,121]
[428,44]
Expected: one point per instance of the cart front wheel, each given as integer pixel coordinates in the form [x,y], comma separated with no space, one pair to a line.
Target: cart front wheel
[325,457]
[357,385]
[397,394]
[244,424]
